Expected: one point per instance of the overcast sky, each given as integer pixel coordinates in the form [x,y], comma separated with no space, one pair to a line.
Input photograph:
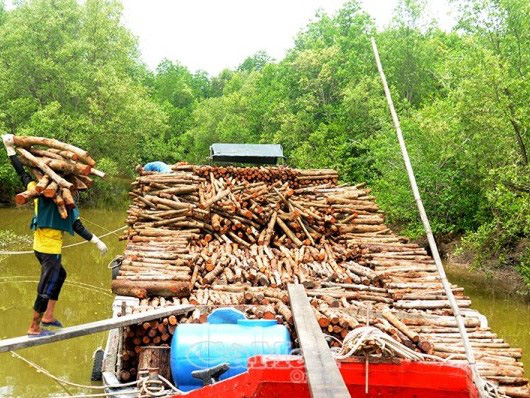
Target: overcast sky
[215,34]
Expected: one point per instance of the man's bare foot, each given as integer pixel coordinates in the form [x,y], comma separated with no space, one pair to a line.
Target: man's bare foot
[43,333]
[34,327]
[48,320]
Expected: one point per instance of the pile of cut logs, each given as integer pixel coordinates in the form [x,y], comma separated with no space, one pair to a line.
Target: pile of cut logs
[295,178]
[213,236]
[59,169]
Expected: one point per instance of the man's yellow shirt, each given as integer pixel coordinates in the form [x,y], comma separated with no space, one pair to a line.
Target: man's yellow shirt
[46,240]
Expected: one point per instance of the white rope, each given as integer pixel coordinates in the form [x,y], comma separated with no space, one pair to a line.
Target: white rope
[40,369]
[14,253]
[368,339]
[480,383]
[97,225]
[145,386]
[102,394]
[175,389]
[154,387]
[80,285]
[118,263]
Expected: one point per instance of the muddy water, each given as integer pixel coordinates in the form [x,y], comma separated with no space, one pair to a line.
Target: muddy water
[508,314]
[86,297]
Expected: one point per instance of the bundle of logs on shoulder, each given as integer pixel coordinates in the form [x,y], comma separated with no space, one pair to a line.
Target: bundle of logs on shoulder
[227,236]
[59,169]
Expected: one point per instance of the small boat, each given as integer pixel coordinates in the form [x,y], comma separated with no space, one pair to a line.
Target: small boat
[279,376]
[285,377]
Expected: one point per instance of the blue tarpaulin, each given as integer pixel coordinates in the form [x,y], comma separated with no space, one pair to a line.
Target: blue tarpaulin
[159,167]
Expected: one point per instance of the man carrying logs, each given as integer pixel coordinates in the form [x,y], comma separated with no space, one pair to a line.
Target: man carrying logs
[49,226]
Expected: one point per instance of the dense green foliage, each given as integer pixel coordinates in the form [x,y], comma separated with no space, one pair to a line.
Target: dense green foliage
[72,71]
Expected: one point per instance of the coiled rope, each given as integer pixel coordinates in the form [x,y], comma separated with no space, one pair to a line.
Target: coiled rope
[154,386]
[368,339]
[15,253]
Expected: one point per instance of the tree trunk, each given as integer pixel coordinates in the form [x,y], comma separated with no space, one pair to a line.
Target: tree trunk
[517,130]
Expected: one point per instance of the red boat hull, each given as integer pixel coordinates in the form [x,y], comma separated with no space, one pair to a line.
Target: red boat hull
[284,377]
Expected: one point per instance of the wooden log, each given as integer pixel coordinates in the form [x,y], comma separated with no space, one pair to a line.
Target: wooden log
[155,359]
[78,184]
[212,275]
[429,304]
[125,376]
[51,153]
[285,312]
[390,317]
[51,190]
[68,198]
[215,199]
[288,232]
[85,179]
[42,184]
[45,168]
[360,270]
[270,229]
[68,167]
[24,197]
[65,154]
[21,141]
[170,203]
[515,391]
[143,289]
[97,172]
[61,207]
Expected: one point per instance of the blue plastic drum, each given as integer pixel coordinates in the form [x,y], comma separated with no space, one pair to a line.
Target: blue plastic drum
[227,337]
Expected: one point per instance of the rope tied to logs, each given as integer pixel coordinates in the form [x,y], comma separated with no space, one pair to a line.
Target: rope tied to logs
[369,339]
[154,385]
[45,372]
[147,386]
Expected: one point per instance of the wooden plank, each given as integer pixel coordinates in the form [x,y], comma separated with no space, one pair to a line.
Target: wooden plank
[323,375]
[111,351]
[17,343]
[111,382]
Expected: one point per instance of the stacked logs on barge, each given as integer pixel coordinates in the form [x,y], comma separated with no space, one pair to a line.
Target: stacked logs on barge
[59,168]
[227,236]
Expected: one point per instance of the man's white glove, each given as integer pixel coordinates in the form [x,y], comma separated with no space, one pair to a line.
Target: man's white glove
[9,143]
[99,244]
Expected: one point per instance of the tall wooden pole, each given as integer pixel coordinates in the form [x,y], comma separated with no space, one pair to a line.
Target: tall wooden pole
[479,382]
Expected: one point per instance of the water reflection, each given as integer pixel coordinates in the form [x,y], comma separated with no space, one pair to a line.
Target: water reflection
[86,297]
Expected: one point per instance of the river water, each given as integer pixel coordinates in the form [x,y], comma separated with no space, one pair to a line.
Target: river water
[86,297]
